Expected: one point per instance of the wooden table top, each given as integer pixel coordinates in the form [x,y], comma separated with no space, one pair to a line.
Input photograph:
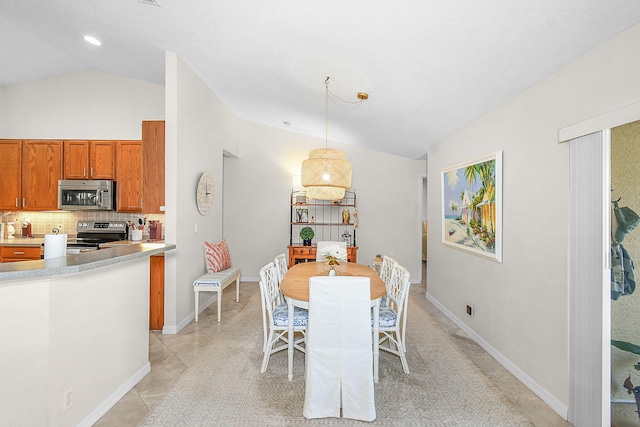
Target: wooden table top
[295,283]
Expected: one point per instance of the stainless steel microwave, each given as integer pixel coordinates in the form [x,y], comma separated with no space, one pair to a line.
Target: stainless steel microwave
[86,195]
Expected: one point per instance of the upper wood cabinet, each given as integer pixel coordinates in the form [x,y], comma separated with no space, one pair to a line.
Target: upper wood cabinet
[11,167]
[129,172]
[89,159]
[41,170]
[153,166]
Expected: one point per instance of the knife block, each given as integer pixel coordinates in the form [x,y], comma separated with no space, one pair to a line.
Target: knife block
[155,230]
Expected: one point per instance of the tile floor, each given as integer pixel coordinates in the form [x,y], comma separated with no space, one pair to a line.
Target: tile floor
[171,355]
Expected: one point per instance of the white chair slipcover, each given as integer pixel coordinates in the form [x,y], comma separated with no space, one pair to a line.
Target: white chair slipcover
[338,361]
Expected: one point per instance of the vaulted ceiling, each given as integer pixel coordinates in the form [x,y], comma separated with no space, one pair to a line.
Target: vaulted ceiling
[429,66]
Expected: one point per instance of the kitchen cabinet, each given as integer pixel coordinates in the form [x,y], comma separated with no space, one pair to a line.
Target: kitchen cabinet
[41,170]
[153,166]
[19,253]
[11,167]
[129,172]
[89,159]
[156,292]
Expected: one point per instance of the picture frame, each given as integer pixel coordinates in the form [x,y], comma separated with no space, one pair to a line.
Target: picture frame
[472,206]
[302,215]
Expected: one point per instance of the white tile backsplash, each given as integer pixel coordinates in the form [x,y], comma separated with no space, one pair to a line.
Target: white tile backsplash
[43,222]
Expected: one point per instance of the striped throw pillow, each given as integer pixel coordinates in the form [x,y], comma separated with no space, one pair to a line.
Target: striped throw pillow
[217,256]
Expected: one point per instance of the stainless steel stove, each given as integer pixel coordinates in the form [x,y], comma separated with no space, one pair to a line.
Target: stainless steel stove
[90,234]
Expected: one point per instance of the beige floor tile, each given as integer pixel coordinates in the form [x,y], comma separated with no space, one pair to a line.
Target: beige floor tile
[129,411]
[172,354]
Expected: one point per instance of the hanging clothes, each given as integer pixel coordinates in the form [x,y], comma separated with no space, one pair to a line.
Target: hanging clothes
[623,280]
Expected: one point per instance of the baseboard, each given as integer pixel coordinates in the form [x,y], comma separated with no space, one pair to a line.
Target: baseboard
[560,408]
[172,330]
[104,407]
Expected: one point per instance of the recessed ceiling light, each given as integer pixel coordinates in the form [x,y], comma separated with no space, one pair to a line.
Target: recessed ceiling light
[93,40]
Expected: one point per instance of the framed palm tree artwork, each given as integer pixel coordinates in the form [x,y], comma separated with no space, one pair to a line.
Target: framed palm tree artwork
[472,206]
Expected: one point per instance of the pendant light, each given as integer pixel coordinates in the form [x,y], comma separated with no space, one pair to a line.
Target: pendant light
[326,174]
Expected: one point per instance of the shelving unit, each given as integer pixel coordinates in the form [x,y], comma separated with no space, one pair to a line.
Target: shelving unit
[330,221]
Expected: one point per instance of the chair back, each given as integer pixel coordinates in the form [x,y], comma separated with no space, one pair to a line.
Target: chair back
[386,268]
[321,245]
[398,288]
[270,289]
[281,264]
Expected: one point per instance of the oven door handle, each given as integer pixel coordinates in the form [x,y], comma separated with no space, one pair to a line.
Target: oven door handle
[100,197]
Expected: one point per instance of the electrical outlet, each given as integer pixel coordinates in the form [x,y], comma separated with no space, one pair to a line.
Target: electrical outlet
[196,227]
[470,310]
[67,399]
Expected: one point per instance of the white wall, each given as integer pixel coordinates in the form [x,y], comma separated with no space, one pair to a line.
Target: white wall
[199,127]
[258,188]
[87,331]
[521,305]
[80,105]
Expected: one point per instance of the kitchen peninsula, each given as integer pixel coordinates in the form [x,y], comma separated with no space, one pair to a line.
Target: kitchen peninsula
[76,334]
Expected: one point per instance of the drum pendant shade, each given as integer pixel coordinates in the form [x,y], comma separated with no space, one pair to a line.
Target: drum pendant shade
[326,174]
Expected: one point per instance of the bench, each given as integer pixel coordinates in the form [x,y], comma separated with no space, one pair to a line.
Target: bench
[216,282]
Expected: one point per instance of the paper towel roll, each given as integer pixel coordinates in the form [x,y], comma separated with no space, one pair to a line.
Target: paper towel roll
[55,245]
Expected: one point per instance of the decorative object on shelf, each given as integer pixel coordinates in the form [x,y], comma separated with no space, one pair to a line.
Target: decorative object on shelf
[346,216]
[302,215]
[306,234]
[326,174]
[346,237]
[204,193]
[355,217]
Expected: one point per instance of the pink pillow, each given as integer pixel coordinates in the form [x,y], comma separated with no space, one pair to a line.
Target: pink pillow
[217,256]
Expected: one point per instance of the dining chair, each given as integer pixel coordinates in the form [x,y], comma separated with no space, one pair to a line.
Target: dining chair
[338,361]
[392,317]
[281,263]
[276,316]
[321,245]
[385,274]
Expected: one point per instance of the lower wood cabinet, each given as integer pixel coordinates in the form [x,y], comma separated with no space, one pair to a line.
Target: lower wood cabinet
[19,253]
[156,288]
[299,254]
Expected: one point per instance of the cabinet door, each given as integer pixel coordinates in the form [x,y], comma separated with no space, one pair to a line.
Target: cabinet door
[129,176]
[41,170]
[102,159]
[153,165]
[10,165]
[76,159]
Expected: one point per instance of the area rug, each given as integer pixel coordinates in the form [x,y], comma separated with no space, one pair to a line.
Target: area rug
[225,386]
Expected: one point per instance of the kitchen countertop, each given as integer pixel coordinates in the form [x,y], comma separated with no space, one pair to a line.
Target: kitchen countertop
[19,241]
[39,241]
[77,263]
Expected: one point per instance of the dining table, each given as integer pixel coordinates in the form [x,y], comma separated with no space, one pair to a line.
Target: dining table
[295,286]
